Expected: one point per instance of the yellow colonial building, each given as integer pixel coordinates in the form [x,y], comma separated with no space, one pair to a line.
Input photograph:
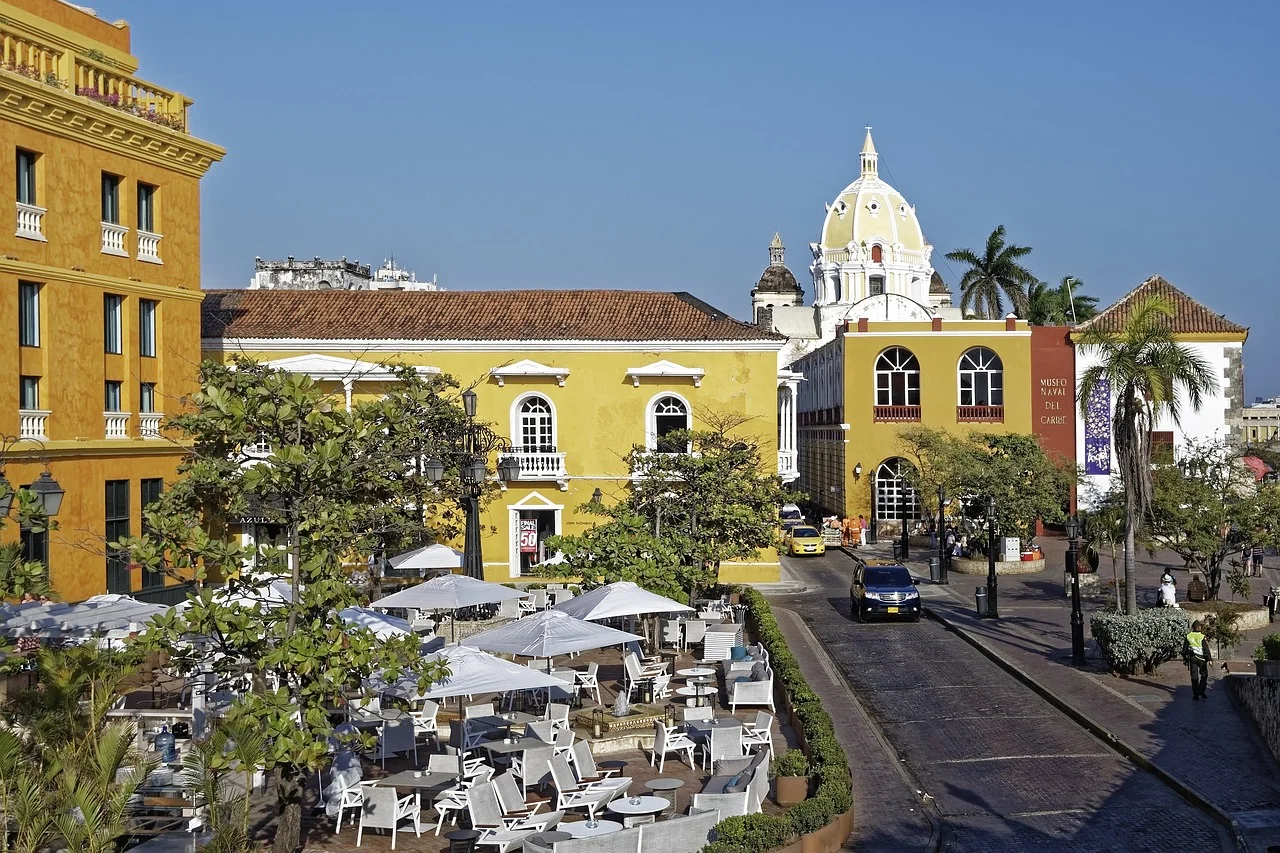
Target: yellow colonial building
[99,281]
[573,379]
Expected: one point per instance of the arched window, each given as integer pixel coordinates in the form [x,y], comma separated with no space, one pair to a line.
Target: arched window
[895,499]
[877,255]
[981,378]
[668,414]
[536,425]
[897,378]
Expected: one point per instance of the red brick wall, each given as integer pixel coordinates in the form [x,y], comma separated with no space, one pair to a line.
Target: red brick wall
[1053,384]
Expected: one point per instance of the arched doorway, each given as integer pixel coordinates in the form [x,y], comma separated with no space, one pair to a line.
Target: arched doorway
[895,499]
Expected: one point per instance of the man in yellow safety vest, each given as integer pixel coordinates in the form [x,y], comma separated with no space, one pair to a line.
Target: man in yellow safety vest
[1195,652]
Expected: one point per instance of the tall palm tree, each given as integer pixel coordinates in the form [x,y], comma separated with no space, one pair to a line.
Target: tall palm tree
[1059,306]
[1149,375]
[1077,306]
[992,276]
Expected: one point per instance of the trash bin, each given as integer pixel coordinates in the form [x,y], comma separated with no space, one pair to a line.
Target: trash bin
[897,550]
[980,594]
[1273,603]
[935,570]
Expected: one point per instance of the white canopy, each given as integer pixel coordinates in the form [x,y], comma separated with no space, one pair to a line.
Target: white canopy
[473,671]
[622,598]
[428,557]
[448,592]
[547,634]
[83,620]
[382,625]
[269,594]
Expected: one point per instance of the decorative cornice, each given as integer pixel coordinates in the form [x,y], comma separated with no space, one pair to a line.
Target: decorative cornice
[37,105]
[421,345]
[41,272]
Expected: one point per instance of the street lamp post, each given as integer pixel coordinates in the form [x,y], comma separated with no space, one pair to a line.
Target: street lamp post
[1077,617]
[472,457]
[47,491]
[873,526]
[906,541]
[993,611]
[943,556]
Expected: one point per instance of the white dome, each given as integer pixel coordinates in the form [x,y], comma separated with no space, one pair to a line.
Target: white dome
[869,212]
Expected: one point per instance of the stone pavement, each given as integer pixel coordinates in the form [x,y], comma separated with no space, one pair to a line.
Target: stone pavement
[1209,750]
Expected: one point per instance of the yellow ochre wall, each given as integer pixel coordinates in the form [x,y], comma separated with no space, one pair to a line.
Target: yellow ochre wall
[76,140]
[599,415]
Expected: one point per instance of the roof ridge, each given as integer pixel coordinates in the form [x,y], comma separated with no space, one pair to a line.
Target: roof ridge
[1191,316]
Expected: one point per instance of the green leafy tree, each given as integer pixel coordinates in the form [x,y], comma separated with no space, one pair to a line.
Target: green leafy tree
[1149,375]
[1028,485]
[1062,305]
[993,276]
[1208,508]
[683,516]
[338,484]
[18,575]
[1103,529]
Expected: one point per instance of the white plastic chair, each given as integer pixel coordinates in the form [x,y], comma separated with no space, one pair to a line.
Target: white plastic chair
[759,732]
[382,810]
[350,798]
[588,682]
[667,740]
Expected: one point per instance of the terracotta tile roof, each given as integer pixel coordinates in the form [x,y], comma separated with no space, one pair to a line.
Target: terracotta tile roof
[1190,317]
[470,315]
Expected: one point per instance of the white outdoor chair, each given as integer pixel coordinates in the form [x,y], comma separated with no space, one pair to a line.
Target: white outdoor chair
[424,720]
[558,713]
[514,802]
[759,732]
[563,742]
[383,810]
[540,599]
[509,608]
[661,687]
[484,709]
[586,771]
[751,692]
[350,798]
[527,605]
[588,682]
[572,795]
[454,801]
[694,631]
[531,765]
[722,743]
[699,714]
[667,740]
[671,632]
[500,830]
[544,730]
[397,736]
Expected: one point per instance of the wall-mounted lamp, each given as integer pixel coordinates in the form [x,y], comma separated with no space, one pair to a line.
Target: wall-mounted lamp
[597,497]
[857,470]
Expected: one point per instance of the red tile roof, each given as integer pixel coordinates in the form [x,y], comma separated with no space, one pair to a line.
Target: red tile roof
[1190,317]
[470,315]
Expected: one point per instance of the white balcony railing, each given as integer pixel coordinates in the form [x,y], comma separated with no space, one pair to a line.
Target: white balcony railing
[117,424]
[31,221]
[31,424]
[786,462]
[149,247]
[113,239]
[149,424]
[537,465]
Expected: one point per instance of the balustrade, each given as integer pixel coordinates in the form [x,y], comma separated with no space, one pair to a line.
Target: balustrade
[149,424]
[897,413]
[786,462]
[31,424]
[113,239]
[538,465]
[31,221]
[117,424]
[149,247]
[980,414]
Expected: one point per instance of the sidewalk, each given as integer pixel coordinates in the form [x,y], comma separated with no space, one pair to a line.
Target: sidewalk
[1208,750]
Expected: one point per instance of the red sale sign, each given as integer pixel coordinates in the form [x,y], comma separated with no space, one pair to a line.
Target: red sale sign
[528,536]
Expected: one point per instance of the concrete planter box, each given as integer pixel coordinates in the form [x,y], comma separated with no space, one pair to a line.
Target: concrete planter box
[979,567]
[1249,620]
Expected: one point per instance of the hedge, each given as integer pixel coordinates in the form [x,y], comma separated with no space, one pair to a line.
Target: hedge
[1144,640]
[828,767]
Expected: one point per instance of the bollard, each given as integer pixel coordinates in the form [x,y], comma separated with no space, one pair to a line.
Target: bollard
[935,570]
[980,594]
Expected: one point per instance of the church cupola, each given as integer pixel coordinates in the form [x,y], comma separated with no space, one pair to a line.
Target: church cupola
[777,287]
[870,168]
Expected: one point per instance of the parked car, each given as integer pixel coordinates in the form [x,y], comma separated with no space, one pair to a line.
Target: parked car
[790,512]
[805,541]
[883,588]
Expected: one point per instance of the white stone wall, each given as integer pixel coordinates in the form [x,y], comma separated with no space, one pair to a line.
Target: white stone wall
[1212,421]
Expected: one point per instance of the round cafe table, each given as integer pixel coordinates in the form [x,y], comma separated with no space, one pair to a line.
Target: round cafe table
[667,783]
[696,672]
[631,807]
[584,829]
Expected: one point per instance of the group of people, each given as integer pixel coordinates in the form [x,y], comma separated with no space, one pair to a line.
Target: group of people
[853,531]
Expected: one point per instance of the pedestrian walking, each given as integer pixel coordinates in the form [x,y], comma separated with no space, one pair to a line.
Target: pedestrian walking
[851,532]
[1196,655]
[862,530]
[1256,564]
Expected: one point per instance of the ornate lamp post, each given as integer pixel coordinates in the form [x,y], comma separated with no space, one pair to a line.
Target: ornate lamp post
[872,526]
[472,458]
[1077,617]
[943,556]
[993,611]
[906,506]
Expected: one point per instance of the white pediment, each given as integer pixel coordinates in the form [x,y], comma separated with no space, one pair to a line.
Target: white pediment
[666,369]
[534,500]
[319,366]
[528,367]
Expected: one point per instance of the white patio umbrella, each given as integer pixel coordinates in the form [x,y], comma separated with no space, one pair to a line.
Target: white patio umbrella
[428,557]
[449,592]
[112,615]
[622,598]
[547,634]
[382,625]
[473,671]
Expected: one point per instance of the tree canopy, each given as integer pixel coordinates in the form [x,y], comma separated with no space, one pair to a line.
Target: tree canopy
[1062,305]
[18,575]
[684,514]
[993,275]
[334,484]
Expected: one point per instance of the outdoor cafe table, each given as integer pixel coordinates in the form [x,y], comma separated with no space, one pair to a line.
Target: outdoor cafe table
[520,744]
[699,729]
[505,721]
[584,828]
[369,719]
[427,785]
[630,807]
[699,689]
[696,672]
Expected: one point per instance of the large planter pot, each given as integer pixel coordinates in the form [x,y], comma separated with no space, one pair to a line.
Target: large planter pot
[1267,668]
[791,789]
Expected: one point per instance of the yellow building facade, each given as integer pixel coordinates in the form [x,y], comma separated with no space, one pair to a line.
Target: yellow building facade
[876,379]
[573,379]
[99,281]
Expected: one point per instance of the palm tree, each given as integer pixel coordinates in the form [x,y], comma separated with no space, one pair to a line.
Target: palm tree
[992,276]
[1044,305]
[1148,374]
[1077,307]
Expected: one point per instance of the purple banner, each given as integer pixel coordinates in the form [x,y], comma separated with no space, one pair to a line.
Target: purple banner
[1097,430]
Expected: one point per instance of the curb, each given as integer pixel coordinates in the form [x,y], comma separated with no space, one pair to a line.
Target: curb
[1103,734]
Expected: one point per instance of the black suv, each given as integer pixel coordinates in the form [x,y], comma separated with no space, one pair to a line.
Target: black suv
[883,588]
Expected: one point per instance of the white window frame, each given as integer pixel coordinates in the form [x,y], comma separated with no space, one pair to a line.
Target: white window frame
[973,372]
[651,419]
[517,422]
[894,464]
[890,372]
[147,345]
[531,501]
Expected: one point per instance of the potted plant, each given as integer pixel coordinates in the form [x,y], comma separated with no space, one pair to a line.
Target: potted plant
[1266,657]
[791,774]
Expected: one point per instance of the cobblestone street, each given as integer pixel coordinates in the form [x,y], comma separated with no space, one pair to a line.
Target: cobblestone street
[986,763]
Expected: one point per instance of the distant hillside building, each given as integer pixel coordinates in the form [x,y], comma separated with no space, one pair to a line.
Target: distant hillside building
[341,274]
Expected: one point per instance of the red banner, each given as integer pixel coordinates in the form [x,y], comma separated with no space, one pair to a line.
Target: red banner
[528,536]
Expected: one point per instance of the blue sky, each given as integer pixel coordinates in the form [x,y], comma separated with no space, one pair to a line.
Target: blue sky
[660,145]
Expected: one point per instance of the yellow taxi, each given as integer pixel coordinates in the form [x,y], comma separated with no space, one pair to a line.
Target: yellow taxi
[805,541]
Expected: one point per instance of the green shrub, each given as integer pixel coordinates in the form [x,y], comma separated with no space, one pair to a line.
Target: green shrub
[1269,648]
[793,762]
[1144,640]
[752,832]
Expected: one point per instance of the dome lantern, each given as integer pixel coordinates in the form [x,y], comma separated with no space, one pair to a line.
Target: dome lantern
[870,166]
